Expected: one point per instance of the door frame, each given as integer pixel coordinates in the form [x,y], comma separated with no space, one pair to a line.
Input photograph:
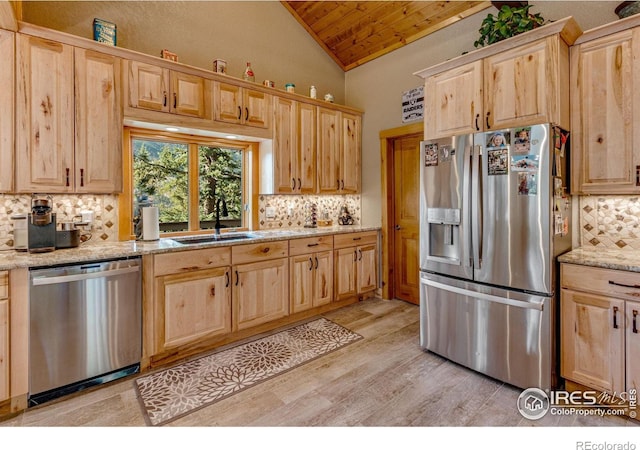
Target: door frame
[387,137]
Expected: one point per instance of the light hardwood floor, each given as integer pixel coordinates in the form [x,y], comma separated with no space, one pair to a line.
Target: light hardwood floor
[382,380]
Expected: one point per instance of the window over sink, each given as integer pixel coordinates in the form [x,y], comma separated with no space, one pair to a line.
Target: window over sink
[197,183]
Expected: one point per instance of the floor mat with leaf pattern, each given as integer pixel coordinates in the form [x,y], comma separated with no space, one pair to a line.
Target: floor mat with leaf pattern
[172,393]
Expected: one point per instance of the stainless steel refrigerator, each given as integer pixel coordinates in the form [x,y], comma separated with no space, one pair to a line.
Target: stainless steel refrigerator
[495,212]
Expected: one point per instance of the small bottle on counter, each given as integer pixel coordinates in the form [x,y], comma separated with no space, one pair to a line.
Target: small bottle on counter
[290,87]
[248,73]
[313,93]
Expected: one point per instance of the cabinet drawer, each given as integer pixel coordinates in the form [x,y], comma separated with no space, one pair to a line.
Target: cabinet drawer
[4,285]
[248,253]
[310,245]
[351,239]
[613,283]
[187,261]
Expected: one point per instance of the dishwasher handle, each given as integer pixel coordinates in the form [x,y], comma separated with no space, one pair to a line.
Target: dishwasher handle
[41,281]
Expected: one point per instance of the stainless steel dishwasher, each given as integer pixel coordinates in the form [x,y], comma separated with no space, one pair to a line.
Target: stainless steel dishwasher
[85,326]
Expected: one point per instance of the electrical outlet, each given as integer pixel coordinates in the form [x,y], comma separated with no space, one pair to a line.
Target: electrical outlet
[87,216]
[271,212]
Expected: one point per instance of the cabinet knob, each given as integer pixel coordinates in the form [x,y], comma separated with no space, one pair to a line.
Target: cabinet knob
[213,291]
[615,317]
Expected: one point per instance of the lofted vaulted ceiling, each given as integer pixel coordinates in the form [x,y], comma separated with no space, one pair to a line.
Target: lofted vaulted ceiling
[354,32]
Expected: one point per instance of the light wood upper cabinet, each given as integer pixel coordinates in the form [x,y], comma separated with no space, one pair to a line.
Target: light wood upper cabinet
[517,82]
[45,116]
[7,105]
[605,95]
[160,89]
[241,106]
[527,85]
[339,151]
[69,114]
[453,101]
[98,122]
[294,142]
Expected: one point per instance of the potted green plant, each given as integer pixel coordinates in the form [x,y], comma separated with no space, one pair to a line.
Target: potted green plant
[510,21]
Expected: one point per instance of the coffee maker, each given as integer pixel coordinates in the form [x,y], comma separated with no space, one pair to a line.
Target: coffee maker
[41,226]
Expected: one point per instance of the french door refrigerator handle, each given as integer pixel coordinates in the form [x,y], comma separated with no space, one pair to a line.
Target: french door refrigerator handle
[466,205]
[476,205]
[534,304]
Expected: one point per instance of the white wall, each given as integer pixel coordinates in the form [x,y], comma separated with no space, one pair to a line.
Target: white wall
[376,87]
[262,32]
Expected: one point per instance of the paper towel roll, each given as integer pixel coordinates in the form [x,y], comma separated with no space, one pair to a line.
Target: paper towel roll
[150,223]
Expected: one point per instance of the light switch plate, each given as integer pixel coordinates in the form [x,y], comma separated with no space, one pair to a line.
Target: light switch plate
[271,212]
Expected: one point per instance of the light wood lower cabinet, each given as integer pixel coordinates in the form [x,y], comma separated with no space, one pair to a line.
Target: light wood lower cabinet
[195,305]
[260,292]
[311,280]
[599,328]
[4,336]
[355,258]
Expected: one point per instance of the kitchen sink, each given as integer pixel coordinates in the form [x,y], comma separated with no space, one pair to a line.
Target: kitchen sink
[187,240]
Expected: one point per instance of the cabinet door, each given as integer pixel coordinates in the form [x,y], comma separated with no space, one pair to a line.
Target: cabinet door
[260,292]
[592,333]
[4,350]
[228,103]
[193,305]
[256,108]
[302,287]
[44,114]
[285,162]
[98,123]
[148,86]
[516,84]
[350,154]
[328,150]
[453,102]
[367,268]
[345,260]
[604,94]
[7,93]
[187,94]
[306,145]
[323,278]
[633,346]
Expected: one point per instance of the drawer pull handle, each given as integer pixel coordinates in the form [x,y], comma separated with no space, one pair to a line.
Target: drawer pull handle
[265,250]
[633,286]
[360,252]
[357,238]
[237,277]
[635,327]
[355,255]
[310,264]
[313,245]
[316,263]
[615,317]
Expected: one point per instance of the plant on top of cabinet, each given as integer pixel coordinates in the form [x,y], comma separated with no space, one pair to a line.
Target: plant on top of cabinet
[510,21]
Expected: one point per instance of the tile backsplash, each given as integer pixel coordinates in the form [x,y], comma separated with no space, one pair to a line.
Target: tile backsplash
[610,222]
[104,207]
[291,210]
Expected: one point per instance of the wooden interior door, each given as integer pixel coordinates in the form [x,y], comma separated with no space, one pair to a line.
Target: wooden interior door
[406,162]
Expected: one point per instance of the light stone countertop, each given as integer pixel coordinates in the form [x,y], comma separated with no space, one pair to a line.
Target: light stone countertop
[628,260]
[11,259]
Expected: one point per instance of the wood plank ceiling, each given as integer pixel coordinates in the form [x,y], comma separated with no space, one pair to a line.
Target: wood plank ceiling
[353,32]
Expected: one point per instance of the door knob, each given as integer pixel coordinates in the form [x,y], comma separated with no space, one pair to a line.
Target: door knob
[397,227]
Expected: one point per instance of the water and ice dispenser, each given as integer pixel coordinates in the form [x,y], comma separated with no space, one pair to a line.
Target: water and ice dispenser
[444,224]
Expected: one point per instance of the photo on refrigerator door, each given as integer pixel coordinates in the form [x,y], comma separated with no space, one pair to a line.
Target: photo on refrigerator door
[498,139]
[527,184]
[522,141]
[498,160]
[431,155]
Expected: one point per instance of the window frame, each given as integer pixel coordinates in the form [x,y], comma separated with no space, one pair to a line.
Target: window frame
[249,179]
